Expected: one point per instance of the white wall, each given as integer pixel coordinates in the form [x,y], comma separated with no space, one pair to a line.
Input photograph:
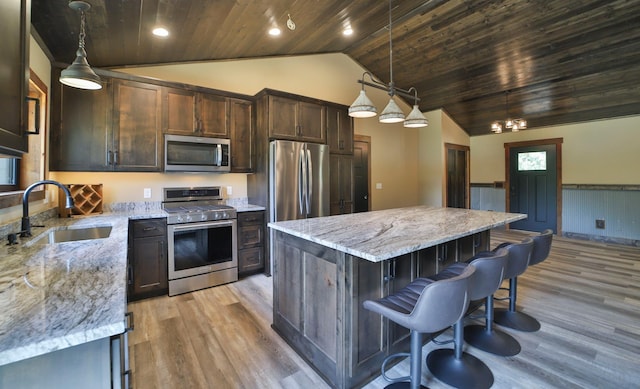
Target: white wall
[596,152]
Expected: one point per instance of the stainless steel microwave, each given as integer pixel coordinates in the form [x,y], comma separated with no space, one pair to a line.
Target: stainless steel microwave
[196,154]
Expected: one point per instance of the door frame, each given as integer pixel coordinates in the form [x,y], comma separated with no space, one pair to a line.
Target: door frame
[538,142]
[365,139]
[467,184]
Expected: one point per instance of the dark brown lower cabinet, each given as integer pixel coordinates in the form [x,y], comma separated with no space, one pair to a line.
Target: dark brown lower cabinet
[250,242]
[147,262]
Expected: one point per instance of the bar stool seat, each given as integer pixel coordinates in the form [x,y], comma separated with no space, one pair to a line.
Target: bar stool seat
[423,306]
[511,317]
[453,366]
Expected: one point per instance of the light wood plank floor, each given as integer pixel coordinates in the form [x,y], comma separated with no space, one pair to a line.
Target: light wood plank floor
[586,295]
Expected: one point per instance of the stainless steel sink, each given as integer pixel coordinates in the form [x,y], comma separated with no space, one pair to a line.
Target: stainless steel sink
[74,234]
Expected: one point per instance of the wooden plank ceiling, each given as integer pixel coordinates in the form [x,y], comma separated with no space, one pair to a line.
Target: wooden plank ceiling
[561,61]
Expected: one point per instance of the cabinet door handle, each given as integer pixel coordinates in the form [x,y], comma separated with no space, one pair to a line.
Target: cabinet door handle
[129,321]
[115,157]
[147,229]
[36,116]
[130,275]
[109,157]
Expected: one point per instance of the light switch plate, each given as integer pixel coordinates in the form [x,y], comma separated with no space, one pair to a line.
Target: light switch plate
[147,193]
[229,190]
[379,185]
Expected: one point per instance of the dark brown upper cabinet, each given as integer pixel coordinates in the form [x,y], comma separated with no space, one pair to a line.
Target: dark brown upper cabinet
[15,19]
[137,131]
[116,128]
[241,131]
[339,130]
[189,112]
[296,120]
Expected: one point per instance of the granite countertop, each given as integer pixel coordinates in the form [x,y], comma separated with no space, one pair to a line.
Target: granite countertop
[381,235]
[247,208]
[54,296]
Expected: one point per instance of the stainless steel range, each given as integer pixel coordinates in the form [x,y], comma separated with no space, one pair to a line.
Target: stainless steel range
[202,239]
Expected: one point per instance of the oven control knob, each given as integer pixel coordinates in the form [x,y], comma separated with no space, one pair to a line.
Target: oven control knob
[188,218]
[203,217]
[225,215]
[179,219]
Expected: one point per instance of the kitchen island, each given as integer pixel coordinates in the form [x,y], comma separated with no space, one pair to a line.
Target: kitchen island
[325,268]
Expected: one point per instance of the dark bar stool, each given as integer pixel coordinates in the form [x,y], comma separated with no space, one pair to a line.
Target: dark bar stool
[486,337]
[453,366]
[423,306]
[512,318]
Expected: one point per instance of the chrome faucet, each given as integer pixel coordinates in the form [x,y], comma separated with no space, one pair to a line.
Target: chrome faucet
[26,225]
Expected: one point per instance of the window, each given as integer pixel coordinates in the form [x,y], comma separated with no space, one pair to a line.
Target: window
[534,160]
[8,174]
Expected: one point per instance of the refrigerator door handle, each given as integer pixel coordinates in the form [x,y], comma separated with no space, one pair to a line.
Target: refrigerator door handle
[309,181]
[302,181]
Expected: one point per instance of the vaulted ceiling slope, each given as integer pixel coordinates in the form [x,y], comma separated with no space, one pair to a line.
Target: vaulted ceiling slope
[561,61]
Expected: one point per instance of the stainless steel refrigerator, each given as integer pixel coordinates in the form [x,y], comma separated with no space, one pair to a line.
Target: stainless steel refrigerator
[298,180]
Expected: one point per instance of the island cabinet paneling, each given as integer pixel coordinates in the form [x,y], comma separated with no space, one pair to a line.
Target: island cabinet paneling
[187,112]
[339,130]
[340,184]
[147,262]
[296,119]
[15,19]
[318,303]
[250,242]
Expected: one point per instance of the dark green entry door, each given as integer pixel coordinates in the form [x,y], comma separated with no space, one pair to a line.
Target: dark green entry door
[533,186]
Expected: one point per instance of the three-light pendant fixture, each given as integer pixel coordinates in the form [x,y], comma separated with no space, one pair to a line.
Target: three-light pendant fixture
[362,107]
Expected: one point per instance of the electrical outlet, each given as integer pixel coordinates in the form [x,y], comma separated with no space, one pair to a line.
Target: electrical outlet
[600,224]
[229,190]
[378,185]
[147,193]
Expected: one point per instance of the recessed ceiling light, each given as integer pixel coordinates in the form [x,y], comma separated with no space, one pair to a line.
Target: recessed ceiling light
[275,31]
[347,31]
[161,32]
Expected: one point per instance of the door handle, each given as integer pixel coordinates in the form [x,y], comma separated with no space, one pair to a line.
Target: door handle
[301,181]
[309,181]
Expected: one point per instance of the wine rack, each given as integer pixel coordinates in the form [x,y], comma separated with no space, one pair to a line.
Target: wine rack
[87,199]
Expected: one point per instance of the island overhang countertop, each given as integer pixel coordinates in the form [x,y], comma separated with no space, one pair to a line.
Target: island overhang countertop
[380,235]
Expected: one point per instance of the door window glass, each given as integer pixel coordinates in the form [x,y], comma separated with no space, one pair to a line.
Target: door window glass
[534,160]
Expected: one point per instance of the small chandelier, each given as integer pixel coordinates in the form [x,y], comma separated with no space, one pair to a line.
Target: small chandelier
[79,74]
[362,107]
[514,125]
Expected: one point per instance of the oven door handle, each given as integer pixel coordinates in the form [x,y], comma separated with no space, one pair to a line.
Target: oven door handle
[196,226]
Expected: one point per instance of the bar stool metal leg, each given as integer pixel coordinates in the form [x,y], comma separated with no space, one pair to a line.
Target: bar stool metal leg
[457,368]
[488,339]
[512,318]
[415,374]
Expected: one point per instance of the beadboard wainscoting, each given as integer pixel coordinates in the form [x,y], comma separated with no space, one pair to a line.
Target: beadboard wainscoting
[582,205]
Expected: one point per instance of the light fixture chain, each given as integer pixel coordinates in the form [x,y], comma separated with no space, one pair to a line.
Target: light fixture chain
[82,33]
[391,84]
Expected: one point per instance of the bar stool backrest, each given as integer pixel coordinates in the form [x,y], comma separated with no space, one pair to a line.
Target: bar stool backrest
[519,255]
[489,274]
[541,247]
[442,303]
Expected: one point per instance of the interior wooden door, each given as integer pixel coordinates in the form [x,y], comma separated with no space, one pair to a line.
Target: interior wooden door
[457,164]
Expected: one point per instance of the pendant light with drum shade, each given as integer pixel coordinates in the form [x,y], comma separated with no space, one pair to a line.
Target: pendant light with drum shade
[79,74]
[362,107]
